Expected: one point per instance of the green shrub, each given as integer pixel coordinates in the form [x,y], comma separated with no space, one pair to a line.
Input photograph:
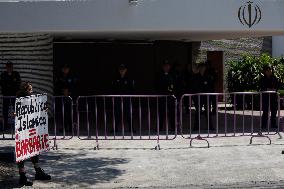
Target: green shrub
[244,74]
[281,92]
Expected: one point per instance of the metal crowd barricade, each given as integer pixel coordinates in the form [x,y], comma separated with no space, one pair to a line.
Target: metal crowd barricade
[127,117]
[61,124]
[241,114]
[7,128]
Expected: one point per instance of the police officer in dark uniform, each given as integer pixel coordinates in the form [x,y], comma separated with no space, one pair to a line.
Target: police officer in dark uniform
[65,86]
[166,85]
[201,84]
[269,82]
[188,78]
[10,82]
[65,82]
[212,74]
[123,85]
[180,80]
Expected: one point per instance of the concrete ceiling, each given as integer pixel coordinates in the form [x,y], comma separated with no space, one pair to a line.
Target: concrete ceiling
[161,35]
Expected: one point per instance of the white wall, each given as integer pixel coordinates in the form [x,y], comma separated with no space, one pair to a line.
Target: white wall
[278,46]
[148,16]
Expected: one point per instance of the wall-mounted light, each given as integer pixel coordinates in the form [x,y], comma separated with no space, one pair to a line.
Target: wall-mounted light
[133,2]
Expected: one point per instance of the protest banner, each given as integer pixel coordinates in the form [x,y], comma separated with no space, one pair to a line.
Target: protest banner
[31,126]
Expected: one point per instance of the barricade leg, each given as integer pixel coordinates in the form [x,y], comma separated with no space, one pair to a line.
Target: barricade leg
[279,134]
[158,147]
[278,119]
[199,138]
[158,126]
[96,122]
[97,147]
[260,135]
[264,117]
[55,147]
[201,100]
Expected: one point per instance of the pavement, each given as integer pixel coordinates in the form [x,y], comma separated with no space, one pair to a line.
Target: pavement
[228,163]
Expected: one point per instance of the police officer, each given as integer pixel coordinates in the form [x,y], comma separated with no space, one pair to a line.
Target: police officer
[123,85]
[65,82]
[10,82]
[269,82]
[166,85]
[188,86]
[212,74]
[65,86]
[166,79]
[180,80]
[201,84]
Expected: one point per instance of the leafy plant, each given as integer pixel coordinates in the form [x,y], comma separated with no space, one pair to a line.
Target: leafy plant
[244,74]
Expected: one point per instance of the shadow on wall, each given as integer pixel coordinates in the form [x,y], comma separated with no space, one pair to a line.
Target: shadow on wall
[74,169]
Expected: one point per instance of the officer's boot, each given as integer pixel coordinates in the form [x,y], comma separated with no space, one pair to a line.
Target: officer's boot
[24,180]
[41,175]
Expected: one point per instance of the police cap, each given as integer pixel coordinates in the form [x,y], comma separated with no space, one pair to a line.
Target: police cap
[122,66]
[9,63]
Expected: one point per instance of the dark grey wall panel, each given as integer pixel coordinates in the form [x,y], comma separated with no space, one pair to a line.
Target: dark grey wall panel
[32,55]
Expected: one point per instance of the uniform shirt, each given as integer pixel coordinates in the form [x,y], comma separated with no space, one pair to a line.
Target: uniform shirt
[212,75]
[180,84]
[10,83]
[123,85]
[201,83]
[166,83]
[269,83]
[65,82]
[188,81]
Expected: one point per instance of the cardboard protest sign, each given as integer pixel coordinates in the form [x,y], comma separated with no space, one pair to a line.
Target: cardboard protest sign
[31,129]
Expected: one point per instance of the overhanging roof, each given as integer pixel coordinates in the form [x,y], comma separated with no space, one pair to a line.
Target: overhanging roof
[190,20]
